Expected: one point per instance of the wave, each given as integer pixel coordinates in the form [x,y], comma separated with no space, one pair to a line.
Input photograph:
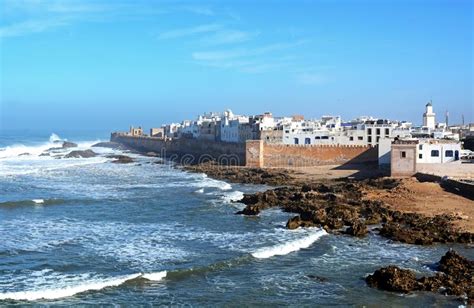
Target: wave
[233,196]
[32,202]
[93,285]
[286,248]
[22,151]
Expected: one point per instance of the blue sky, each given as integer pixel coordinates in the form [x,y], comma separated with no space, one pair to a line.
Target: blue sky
[108,64]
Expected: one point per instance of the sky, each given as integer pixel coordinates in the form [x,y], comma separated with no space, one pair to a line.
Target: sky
[80,64]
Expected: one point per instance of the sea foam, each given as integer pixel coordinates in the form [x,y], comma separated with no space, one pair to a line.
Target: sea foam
[291,246]
[93,285]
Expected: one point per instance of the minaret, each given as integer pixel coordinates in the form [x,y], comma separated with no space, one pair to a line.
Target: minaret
[429,117]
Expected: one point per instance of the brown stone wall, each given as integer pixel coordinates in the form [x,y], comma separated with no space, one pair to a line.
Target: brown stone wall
[280,155]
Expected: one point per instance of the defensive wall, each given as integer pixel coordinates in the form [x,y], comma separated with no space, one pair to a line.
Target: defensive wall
[186,151]
[253,153]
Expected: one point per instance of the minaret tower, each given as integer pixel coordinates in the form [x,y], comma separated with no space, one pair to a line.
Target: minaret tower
[429,117]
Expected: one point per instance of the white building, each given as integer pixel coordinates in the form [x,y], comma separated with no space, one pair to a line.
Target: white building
[433,151]
[230,123]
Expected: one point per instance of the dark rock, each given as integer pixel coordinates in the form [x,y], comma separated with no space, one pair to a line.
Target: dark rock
[392,278]
[67,144]
[317,278]
[45,154]
[455,278]
[121,159]
[357,228]
[249,210]
[81,154]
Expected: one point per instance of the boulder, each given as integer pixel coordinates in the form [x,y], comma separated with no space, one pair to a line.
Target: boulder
[249,210]
[81,154]
[121,159]
[393,278]
[67,144]
[357,228]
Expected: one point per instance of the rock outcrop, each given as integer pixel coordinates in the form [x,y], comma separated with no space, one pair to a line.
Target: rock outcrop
[121,159]
[67,145]
[455,277]
[338,205]
[238,174]
[81,154]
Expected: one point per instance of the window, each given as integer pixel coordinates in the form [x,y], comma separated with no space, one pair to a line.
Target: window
[378,131]
[369,139]
[296,141]
[403,154]
[449,153]
[351,138]
[307,140]
[360,138]
[387,131]
[378,138]
[317,137]
[369,131]
[420,147]
[325,137]
[434,153]
[420,156]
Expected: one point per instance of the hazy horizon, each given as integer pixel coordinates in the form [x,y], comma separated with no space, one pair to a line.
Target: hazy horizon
[109,64]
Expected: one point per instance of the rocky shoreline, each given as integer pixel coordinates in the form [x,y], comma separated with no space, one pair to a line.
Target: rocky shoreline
[342,206]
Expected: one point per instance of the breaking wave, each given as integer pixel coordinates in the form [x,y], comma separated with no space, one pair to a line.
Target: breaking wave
[32,202]
[67,291]
[286,248]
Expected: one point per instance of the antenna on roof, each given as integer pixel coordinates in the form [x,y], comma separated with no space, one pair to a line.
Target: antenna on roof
[462,116]
[447,118]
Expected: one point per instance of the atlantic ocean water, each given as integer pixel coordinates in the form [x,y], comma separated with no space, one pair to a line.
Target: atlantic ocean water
[86,231]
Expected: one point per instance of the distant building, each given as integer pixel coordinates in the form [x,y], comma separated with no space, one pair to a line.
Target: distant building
[429,117]
[136,131]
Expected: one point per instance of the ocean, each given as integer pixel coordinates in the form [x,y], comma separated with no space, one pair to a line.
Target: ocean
[86,231]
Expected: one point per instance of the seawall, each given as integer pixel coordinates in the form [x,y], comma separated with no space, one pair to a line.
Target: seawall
[253,153]
[186,151]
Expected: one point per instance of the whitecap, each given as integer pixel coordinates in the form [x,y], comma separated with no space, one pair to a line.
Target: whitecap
[233,196]
[67,291]
[157,276]
[38,201]
[286,248]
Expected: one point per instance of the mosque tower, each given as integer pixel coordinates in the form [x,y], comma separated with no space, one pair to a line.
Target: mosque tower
[429,117]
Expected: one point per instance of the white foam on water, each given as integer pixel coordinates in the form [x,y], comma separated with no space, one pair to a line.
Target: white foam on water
[233,196]
[66,291]
[200,191]
[157,276]
[38,201]
[288,247]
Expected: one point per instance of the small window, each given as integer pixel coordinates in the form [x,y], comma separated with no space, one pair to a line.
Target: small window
[296,141]
[351,138]
[387,131]
[360,138]
[403,154]
[369,131]
[449,153]
[317,137]
[378,131]
[420,156]
[434,153]
[369,139]
[378,138]
[420,147]
[307,140]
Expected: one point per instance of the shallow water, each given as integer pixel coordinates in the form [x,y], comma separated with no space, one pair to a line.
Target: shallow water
[87,231]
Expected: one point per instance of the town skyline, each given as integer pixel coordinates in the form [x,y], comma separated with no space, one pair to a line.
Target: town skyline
[66,63]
